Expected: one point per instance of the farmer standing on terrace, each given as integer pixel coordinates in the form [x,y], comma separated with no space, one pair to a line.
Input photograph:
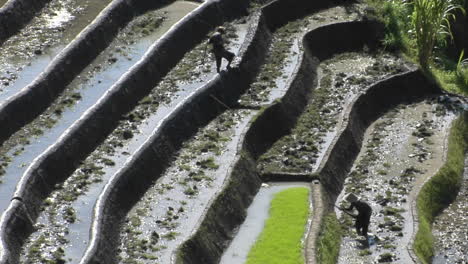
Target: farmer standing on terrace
[364,214]
[217,42]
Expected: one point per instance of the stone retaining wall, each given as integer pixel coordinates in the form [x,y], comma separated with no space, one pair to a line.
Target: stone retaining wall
[225,213]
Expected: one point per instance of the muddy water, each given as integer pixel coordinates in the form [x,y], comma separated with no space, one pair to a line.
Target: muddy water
[24,56]
[340,80]
[450,228]
[257,214]
[170,210]
[400,151]
[79,193]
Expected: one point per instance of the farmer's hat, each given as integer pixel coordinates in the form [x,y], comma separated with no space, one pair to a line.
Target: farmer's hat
[221,29]
[351,198]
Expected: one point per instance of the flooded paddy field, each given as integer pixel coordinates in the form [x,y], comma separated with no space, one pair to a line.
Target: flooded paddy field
[26,54]
[128,47]
[65,222]
[402,150]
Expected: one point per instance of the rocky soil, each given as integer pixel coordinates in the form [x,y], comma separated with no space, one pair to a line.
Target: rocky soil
[402,150]
[169,211]
[340,81]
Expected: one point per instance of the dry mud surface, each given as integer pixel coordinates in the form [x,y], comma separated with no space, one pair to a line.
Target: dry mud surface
[402,150]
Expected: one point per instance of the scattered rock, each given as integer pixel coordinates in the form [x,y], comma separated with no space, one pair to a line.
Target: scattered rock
[127,134]
[385,257]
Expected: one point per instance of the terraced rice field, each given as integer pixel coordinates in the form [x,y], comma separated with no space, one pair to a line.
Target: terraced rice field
[130,148]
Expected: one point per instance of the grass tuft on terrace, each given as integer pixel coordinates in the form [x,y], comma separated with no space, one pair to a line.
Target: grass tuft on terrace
[280,240]
[329,241]
[441,189]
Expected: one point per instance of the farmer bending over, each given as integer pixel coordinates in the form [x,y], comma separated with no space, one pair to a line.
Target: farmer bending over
[364,214]
[216,40]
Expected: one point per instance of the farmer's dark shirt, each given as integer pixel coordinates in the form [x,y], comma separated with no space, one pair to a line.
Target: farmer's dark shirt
[217,41]
[363,208]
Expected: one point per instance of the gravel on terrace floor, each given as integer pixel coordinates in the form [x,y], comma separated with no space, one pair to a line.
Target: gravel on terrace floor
[170,209]
[26,54]
[341,79]
[284,53]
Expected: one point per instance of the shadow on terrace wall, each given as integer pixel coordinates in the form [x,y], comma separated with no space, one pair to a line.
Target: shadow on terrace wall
[16,14]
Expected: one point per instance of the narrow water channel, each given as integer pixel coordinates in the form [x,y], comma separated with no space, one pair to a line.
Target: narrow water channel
[257,214]
[25,55]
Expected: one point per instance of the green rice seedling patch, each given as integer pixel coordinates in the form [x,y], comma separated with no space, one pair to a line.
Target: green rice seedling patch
[280,241]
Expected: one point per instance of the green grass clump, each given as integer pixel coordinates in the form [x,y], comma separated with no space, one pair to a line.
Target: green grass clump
[420,30]
[394,15]
[441,189]
[280,241]
[328,244]
[431,19]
